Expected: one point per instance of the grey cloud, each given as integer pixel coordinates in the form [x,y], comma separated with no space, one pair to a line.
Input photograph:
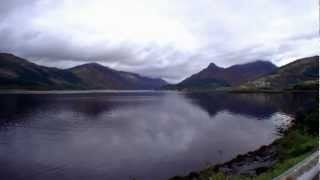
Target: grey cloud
[10,6]
[227,33]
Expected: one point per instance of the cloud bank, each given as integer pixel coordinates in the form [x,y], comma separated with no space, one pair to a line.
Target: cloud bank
[171,39]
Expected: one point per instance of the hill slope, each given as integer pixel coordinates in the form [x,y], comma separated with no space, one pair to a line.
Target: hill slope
[18,73]
[300,74]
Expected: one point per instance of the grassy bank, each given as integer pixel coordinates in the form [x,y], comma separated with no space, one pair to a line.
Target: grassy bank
[296,144]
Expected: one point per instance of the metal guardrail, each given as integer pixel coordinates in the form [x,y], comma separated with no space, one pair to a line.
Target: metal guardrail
[304,170]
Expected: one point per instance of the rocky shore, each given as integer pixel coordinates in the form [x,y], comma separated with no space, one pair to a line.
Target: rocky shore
[250,164]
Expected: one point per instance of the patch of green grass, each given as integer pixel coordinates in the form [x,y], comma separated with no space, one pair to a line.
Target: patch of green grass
[295,144]
[221,176]
[292,149]
[273,172]
[281,167]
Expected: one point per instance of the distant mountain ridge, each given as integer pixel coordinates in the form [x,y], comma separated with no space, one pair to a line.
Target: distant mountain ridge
[107,78]
[215,77]
[18,73]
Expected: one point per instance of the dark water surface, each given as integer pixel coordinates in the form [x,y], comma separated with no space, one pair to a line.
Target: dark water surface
[142,135]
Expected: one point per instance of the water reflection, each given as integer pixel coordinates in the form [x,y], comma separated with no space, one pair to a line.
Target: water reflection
[146,135]
[256,105]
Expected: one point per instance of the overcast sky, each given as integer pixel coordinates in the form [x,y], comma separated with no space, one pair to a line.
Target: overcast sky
[171,39]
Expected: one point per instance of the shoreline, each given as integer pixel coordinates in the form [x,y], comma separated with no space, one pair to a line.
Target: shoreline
[250,164]
[15,91]
[268,161]
[249,91]
[71,91]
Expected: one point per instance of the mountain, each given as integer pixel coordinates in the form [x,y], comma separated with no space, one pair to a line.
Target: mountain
[18,73]
[302,74]
[100,77]
[215,77]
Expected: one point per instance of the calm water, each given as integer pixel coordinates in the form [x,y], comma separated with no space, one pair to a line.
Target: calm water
[143,135]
